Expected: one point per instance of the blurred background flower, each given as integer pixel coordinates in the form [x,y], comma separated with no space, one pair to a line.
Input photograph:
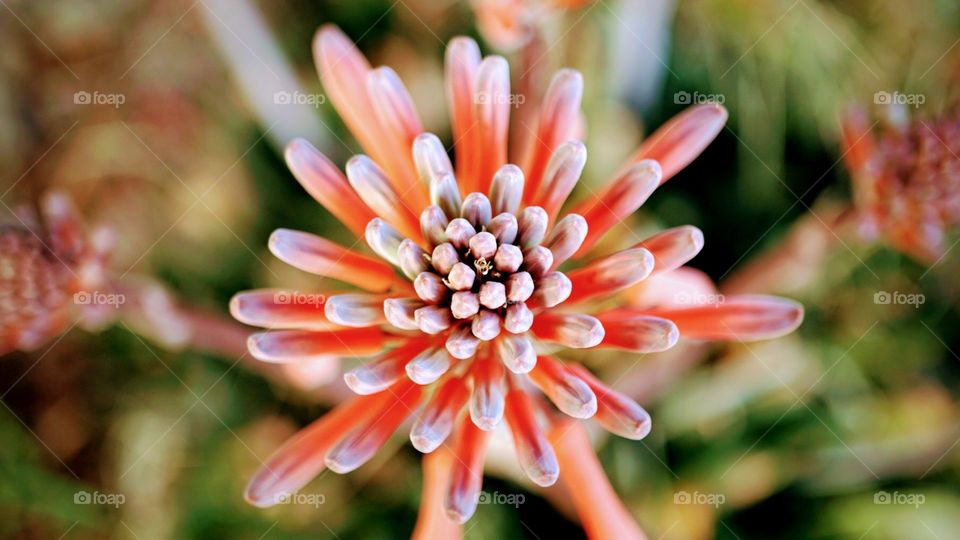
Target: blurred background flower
[164,122]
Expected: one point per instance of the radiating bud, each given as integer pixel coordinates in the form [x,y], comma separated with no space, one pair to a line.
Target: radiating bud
[517,353]
[476,209]
[506,189]
[483,245]
[399,312]
[430,287]
[616,412]
[533,226]
[573,330]
[552,289]
[412,259]
[433,225]
[363,442]
[428,366]
[435,422]
[445,193]
[519,287]
[433,319]
[377,375]
[461,277]
[493,294]
[487,398]
[444,257]
[464,304]
[504,227]
[538,261]
[355,310]
[461,343]
[518,318]
[569,393]
[459,232]
[466,475]
[508,258]
[430,157]
[566,237]
[486,325]
[384,240]
[534,452]
[606,276]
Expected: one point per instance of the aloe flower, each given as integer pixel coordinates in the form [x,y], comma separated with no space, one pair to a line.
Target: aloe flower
[511,24]
[55,275]
[49,273]
[465,306]
[906,181]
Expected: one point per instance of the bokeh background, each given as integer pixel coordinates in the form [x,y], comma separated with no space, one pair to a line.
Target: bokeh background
[848,428]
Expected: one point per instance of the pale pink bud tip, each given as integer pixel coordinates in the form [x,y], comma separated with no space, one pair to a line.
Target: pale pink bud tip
[483,245]
[461,277]
[459,232]
[508,258]
[428,366]
[519,287]
[444,257]
[433,319]
[533,226]
[507,189]
[400,312]
[461,343]
[517,353]
[486,325]
[476,209]
[553,288]
[464,305]
[493,294]
[518,318]
[355,310]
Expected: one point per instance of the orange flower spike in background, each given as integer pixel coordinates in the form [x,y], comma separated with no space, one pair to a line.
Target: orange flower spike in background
[49,273]
[906,180]
[472,282]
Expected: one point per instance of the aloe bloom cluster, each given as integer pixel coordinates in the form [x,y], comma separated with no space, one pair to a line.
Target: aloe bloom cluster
[906,180]
[49,270]
[477,281]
